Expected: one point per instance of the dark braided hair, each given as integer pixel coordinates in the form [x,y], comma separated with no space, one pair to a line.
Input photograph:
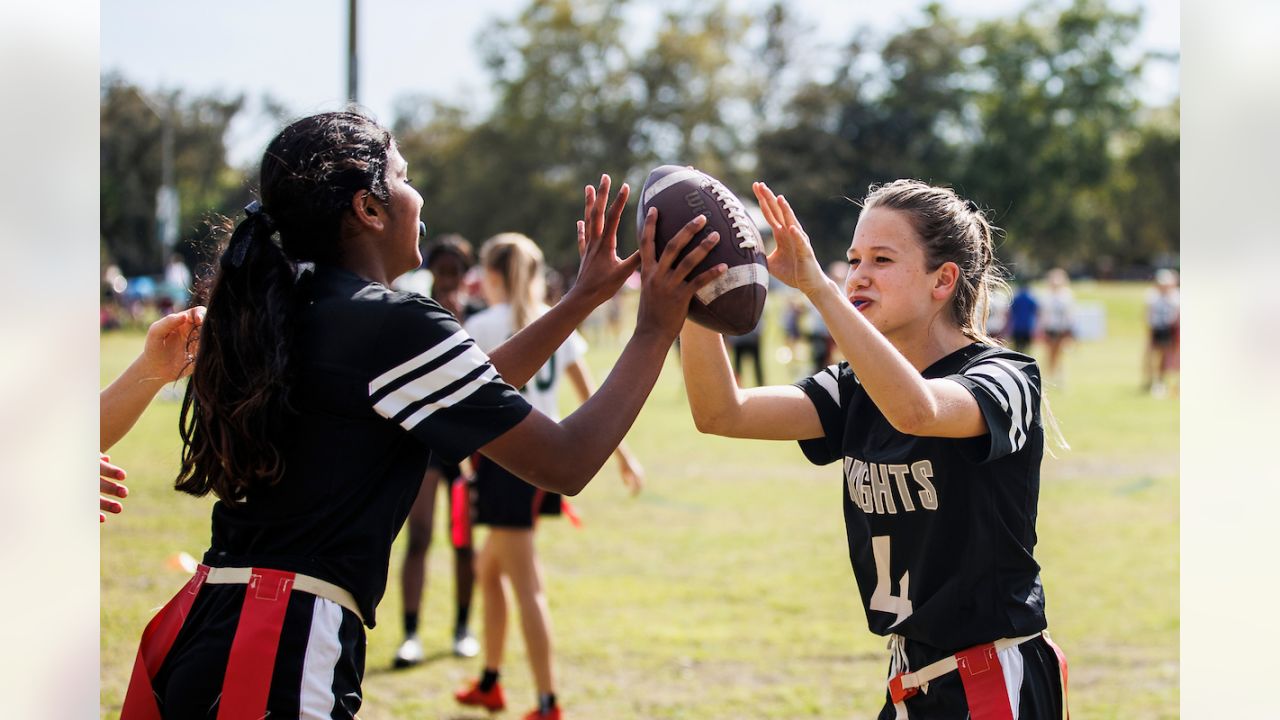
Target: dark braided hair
[238,398]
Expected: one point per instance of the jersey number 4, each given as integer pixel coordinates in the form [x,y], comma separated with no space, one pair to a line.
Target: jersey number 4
[882,598]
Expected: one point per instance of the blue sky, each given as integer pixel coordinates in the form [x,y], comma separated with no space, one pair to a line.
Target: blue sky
[295,49]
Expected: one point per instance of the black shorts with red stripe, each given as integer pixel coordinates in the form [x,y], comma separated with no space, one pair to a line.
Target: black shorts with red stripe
[316,671]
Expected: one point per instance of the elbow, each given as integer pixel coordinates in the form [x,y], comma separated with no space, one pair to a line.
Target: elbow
[915,420]
[559,480]
[709,423]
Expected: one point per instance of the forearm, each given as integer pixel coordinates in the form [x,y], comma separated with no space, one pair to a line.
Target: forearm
[122,402]
[897,388]
[708,378]
[520,357]
[594,431]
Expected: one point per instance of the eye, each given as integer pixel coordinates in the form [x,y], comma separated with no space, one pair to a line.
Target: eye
[853,262]
[883,259]
[408,181]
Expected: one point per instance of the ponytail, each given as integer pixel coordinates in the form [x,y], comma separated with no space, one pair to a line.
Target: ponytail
[237,399]
[518,261]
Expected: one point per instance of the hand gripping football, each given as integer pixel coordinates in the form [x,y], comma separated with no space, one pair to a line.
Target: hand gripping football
[732,303]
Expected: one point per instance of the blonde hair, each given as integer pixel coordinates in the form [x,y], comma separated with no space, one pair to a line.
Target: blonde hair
[518,262]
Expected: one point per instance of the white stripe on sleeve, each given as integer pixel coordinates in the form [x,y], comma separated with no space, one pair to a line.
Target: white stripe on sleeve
[323,651]
[826,378]
[418,361]
[990,375]
[438,379]
[425,411]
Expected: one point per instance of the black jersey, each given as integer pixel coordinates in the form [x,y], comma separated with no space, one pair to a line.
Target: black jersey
[941,530]
[381,379]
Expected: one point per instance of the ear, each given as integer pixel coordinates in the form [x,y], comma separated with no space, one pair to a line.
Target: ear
[367,211]
[944,283]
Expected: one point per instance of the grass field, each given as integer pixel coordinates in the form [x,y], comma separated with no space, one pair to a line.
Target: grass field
[724,591]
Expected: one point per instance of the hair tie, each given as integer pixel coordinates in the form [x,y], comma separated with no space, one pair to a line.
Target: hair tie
[243,235]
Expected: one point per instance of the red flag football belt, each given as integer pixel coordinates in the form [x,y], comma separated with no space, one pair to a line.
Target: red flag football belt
[980,672]
[253,649]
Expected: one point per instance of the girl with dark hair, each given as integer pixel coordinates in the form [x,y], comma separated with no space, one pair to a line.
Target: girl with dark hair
[319,396]
[940,435]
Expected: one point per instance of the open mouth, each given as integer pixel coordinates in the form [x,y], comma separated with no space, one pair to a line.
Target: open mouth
[860,303]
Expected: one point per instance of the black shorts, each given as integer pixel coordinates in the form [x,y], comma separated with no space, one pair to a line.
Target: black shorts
[1039,697]
[504,500]
[316,672]
[1162,337]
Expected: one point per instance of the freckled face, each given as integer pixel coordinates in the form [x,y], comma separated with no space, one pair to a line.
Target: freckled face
[888,281]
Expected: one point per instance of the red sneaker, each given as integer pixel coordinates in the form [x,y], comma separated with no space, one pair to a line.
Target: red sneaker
[473,695]
[536,715]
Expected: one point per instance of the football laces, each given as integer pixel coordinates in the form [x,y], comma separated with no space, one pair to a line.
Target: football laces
[744,229]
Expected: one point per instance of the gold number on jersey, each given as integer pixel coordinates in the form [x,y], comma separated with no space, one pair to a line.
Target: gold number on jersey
[882,598]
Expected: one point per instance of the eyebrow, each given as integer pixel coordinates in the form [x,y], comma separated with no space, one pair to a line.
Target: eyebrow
[875,249]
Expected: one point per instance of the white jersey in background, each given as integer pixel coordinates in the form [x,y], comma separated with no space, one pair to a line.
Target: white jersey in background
[491,327]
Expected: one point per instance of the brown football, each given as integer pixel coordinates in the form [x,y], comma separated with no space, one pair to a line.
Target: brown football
[733,302]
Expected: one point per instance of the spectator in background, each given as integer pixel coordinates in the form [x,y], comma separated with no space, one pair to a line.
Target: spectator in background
[177,282]
[748,345]
[821,346]
[445,264]
[1163,310]
[1057,312]
[1023,312]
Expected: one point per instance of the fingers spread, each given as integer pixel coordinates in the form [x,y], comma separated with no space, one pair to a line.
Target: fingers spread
[696,255]
[682,238]
[597,213]
[110,506]
[582,238]
[614,216]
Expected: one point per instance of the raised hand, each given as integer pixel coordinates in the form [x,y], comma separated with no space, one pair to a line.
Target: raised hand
[664,292]
[109,477]
[792,261]
[171,345]
[602,272]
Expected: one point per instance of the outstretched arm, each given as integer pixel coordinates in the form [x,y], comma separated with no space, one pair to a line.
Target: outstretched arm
[166,357]
[600,275]
[720,407]
[564,457]
[912,404]
[630,469]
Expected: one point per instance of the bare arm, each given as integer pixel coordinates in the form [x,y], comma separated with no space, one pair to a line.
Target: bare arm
[165,358]
[599,277]
[563,457]
[630,469]
[720,407]
[912,404]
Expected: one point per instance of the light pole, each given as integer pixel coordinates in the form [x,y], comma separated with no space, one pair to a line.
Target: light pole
[352,60]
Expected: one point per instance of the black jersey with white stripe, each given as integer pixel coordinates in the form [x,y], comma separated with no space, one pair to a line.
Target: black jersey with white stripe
[381,378]
[941,531]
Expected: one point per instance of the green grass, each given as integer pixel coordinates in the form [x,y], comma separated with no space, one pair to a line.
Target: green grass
[723,591]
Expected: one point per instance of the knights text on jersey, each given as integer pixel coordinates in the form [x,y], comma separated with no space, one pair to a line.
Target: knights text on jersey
[380,379]
[941,530]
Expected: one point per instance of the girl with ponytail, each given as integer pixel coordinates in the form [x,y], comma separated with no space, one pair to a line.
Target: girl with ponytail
[940,437]
[515,291]
[319,394]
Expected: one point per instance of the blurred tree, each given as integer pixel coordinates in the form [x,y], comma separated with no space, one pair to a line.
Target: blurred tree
[1145,197]
[130,170]
[1053,96]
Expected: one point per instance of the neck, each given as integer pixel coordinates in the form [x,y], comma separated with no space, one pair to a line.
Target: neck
[926,346]
[359,257]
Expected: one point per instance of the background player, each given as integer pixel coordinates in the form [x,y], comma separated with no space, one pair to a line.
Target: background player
[514,289]
[447,261]
[941,440]
[317,399]
[1057,317]
[167,356]
[1163,314]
